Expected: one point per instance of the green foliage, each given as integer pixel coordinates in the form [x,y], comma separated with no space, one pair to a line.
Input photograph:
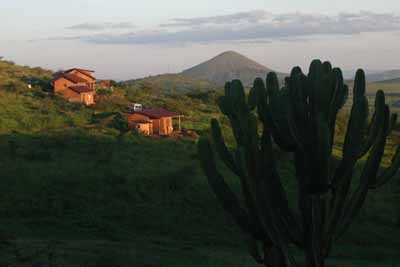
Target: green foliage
[120,123]
[300,118]
[168,84]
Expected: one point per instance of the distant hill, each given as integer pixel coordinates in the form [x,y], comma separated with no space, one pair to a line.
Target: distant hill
[228,66]
[391,81]
[383,76]
[171,83]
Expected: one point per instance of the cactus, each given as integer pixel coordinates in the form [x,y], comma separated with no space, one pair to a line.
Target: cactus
[300,118]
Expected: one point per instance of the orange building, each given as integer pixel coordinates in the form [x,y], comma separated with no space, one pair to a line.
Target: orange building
[77,85]
[154,121]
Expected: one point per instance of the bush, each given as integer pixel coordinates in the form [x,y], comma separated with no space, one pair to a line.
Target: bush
[120,123]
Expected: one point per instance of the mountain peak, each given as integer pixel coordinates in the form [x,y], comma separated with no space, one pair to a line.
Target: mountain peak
[227,66]
[229,53]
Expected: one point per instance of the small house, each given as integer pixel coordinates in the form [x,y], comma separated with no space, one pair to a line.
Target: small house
[76,85]
[157,121]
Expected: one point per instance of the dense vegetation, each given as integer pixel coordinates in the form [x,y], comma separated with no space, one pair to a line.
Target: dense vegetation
[77,192]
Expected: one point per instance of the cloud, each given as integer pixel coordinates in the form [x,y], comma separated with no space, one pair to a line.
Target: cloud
[254,25]
[94,26]
[242,17]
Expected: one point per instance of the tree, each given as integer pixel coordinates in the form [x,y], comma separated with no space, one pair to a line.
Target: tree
[300,118]
[120,123]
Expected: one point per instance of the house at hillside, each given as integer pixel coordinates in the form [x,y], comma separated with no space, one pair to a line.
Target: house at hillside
[76,85]
[104,84]
[157,121]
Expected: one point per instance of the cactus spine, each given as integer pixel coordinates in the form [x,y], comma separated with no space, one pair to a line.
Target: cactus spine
[300,118]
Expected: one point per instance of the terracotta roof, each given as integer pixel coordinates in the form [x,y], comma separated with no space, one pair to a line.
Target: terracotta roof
[80,89]
[82,71]
[78,69]
[157,113]
[71,77]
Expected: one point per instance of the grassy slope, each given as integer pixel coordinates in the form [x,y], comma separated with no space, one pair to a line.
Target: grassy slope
[76,187]
[171,83]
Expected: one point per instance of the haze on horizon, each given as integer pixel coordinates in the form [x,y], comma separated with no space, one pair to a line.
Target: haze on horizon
[129,39]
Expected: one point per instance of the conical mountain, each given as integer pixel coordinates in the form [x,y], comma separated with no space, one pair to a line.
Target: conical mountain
[228,66]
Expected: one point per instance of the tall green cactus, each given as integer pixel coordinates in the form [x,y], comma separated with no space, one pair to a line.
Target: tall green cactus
[300,118]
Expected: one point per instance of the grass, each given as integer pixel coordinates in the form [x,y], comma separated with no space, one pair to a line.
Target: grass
[76,192]
[118,205]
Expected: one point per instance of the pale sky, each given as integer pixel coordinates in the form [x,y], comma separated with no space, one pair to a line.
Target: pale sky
[125,39]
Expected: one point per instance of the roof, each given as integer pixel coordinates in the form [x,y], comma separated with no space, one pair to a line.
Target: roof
[83,72]
[79,69]
[71,77]
[157,113]
[80,89]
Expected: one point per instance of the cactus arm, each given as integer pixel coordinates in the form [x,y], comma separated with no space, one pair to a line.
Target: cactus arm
[338,100]
[275,113]
[322,157]
[343,174]
[375,123]
[355,130]
[367,179]
[253,94]
[389,172]
[275,193]
[393,121]
[254,250]
[221,189]
[221,148]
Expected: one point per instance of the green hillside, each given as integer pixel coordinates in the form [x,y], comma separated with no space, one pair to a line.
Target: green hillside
[75,191]
[170,84]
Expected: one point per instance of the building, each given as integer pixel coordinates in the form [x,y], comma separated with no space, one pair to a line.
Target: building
[103,84]
[157,121]
[77,85]
[135,107]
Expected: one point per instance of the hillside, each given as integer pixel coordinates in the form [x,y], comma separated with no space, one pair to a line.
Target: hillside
[228,66]
[391,81]
[383,76]
[388,87]
[74,191]
[170,84]
[13,76]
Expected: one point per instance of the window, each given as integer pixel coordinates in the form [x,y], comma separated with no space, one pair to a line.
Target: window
[138,126]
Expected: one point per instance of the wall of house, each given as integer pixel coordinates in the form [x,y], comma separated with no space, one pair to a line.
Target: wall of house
[63,84]
[70,95]
[163,126]
[144,128]
[87,98]
[135,117]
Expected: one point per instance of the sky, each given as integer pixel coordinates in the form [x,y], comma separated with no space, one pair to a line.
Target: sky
[124,39]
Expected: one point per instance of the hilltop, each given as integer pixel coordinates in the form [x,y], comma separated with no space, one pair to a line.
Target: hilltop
[227,66]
